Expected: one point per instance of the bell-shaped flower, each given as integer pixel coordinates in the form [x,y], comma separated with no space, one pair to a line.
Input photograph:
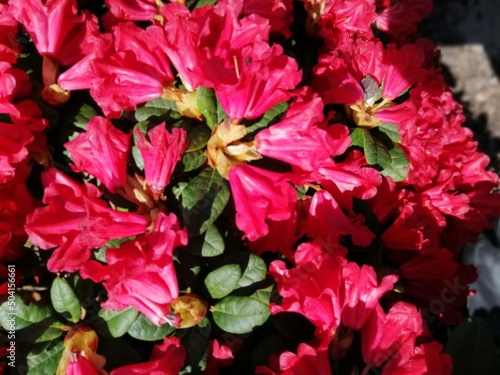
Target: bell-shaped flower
[327,222]
[144,263]
[134,10]
[360,292]
[74,220]
[386,335]
[308,360]
[101,151]
[311,288]
[260,195]
[160,154]
[56,27]
[426,358]
[263,77]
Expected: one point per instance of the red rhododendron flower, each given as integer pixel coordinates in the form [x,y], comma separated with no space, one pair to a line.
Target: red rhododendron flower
[297,139]
[81,75]
[56,28]
[137,72]
[311,287]
[418,225]
[75,221]
[101,151]
[281,237]
[423,359]
[308,360]
[204,46]
[8,31]
[230,55]
[134,10]
[219,355]
[81,366]
[360,292]
[14,85]
[278,12]
[167,358]
[263,77]
[260,195]
[338,20]
[160,154]
[327,222]
[15,203]
[399,19]
[13,149]
[339,75]
[144,263]
[385,335]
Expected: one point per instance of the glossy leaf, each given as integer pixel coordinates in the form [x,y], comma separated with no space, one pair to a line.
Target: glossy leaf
[119,322]
[143,329]
[64,299]
[223,280]
[235,314]
[157,107]
[203,199]
[34,323]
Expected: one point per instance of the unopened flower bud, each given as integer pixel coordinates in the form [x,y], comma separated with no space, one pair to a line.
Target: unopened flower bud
[187,311]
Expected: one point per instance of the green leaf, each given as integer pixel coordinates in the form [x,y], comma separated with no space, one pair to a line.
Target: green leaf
[45,361]
[213,243]
[399,166]
[255,271]
[157,107]
[34,322]
[242,314]
[391,131]
[472,349]
[143,329]
[207,104]
[376,152]
[198,137]
[64,299]
[203,200]
[255,268]
[119,322]
[268,117]
[223,280]
[86,113]
[209,244]
[193,160]
[202,3]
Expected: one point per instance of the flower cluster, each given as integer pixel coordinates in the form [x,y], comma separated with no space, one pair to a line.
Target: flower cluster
[210,175]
